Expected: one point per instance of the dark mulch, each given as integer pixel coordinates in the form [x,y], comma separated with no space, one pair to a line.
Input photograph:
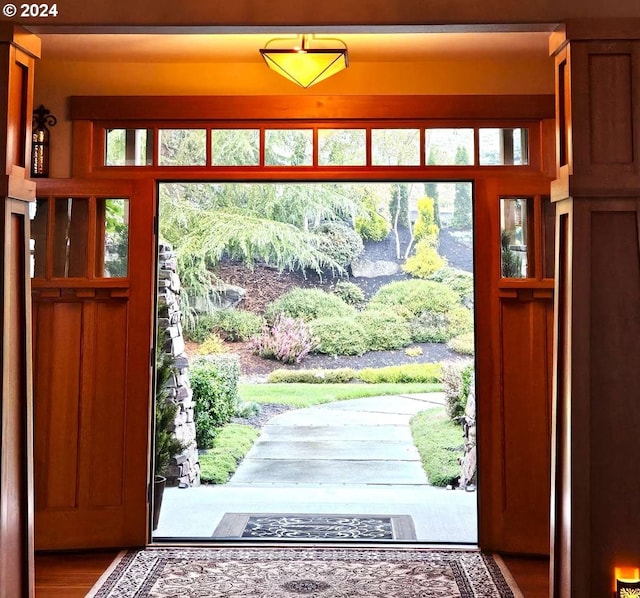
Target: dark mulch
[458,254]
[255,366]
[267,411]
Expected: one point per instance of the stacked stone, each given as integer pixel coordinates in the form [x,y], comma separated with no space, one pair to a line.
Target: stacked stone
[469,459]
[184,469]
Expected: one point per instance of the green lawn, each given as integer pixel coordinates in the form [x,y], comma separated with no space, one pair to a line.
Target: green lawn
[307,395]
[439,442]
[231,444]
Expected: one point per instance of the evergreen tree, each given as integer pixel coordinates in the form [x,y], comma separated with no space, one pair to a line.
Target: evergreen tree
[462,204]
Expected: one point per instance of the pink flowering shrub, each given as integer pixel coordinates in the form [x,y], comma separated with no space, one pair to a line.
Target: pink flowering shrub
[288,340]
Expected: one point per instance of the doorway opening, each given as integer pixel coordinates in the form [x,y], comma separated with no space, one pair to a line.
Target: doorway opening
[321,341]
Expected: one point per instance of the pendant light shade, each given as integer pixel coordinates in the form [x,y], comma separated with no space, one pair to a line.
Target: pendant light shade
[305,65]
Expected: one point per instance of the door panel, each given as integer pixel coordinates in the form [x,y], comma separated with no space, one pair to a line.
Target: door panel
[514,330]
[92,367]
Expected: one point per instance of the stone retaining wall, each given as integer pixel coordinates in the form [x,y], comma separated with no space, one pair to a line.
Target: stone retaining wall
[184,469]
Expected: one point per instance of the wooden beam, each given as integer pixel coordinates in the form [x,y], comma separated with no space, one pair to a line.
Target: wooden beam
[311,107]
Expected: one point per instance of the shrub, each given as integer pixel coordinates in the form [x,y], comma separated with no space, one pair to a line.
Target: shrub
[339,242]
[413,372]
[339,336]
[236,324]
[288,340]
[433,327]
[458,280]
[456,380]
[372,227]
[215,392]
[426,226]
[308,304]
[425,261]
[349,292]
[416,296]
[212,345]
[200,329]
[413,351]
[463,344]
[384,329]
[337,376]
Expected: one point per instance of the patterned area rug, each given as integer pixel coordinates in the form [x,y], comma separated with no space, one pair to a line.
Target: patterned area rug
[295,572]
[315,526]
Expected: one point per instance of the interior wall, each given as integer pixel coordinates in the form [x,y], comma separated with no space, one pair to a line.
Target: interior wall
[56,81]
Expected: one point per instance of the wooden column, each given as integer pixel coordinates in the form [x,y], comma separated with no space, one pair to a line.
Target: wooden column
[596,466]
[18,51]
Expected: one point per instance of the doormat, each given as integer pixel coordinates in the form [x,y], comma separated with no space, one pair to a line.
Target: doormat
[316,526]
[294,572]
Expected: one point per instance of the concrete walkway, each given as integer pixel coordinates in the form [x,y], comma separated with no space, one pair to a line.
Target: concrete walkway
[347,457]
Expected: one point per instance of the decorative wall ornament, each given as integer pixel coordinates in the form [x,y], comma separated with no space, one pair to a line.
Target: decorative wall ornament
[42,119]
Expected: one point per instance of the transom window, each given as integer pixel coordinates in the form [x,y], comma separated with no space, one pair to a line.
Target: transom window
[316,146]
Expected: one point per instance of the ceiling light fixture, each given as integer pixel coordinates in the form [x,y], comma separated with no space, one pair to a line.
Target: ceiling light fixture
[308,63]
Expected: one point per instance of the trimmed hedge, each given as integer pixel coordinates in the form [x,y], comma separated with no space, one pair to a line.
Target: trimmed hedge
[434,327]
[339,336]
[349,292]
[419,373]
[416,296]
[412,372]
[316,376]
[215,392]
[236,324]
[384,330]
[460,281]
[308,304]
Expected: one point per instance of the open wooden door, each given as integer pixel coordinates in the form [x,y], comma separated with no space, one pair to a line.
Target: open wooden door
[514,322]
[93,251]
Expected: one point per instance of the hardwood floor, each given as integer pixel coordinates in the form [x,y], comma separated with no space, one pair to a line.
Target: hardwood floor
[72,575]
[531,575]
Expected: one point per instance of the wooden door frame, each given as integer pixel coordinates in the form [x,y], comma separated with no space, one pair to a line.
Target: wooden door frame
[135,529]
[93,115]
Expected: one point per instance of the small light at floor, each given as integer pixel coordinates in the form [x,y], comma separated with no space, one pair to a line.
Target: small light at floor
[627,582]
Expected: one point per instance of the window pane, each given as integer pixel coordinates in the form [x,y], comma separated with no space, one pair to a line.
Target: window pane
[235,147]
[288,147]
[513,237]
[182,147]
[504,147]
[129,147]
[39,214]
[446,147]
[395,147]
[112,224]
[70,237]
[342,147]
